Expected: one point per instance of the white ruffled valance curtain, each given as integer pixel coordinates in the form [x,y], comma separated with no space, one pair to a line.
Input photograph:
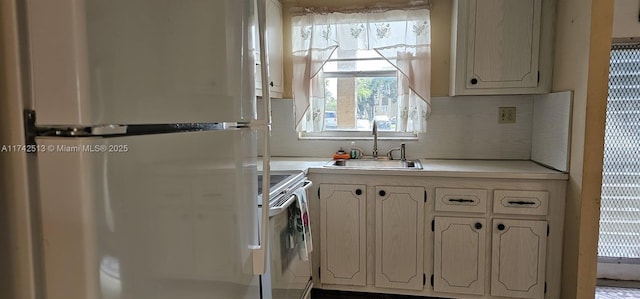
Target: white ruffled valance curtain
[402,37]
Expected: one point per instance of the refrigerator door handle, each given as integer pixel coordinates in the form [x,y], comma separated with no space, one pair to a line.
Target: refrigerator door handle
[264,63]
[259,252]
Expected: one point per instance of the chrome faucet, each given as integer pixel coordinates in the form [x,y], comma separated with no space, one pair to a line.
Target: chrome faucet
[374,132]
[402,149]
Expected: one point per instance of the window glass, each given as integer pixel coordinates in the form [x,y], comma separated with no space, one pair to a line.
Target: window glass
[362,100]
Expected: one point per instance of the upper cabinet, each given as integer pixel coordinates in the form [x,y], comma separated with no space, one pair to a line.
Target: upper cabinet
[501,47]
[274,37]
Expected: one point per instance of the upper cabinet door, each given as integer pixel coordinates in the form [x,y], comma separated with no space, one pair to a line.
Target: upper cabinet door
[503,43]
[274,52]
[496,47]
[274,32]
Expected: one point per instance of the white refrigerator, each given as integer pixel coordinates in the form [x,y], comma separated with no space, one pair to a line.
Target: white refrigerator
[145,116]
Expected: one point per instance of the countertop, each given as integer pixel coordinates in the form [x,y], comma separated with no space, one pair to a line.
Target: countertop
[504,169]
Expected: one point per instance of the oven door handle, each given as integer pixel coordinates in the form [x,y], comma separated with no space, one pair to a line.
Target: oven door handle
[273,211]
[307,185]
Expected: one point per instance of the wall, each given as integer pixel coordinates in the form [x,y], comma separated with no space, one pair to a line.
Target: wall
[463,128]
[583,39]
[625,22]
[440,38]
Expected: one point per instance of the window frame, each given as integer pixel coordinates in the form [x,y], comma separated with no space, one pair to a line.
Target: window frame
[348,134]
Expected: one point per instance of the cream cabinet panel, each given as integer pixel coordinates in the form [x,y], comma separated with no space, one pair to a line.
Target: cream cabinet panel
[518,258]
[520,202]
[343,234]
[459,252]
[461,200]
[399,237]
[274,33]
[504,43]
[274,42]
[496,47]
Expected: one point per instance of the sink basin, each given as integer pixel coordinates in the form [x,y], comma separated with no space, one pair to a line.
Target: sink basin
[375,164]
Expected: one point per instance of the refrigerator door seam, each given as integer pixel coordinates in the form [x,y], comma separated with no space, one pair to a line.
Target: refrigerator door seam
[32,131]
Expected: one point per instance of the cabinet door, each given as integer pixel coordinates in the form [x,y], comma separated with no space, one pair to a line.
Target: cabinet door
[518,258]
[275,40]
[503,44]
[399,237]
[459,255]
[343,234]
[274,33]
[497,47]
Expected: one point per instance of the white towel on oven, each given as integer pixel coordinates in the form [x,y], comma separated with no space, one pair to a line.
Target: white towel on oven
[307,245]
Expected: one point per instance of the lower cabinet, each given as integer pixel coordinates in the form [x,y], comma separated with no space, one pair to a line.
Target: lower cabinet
[399,233]
[343,234]
[518,258]
[399,237]
[474,238]
[459,255]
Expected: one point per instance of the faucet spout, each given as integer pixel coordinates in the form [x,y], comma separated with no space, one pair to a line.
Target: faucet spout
[401,149]
[374,132]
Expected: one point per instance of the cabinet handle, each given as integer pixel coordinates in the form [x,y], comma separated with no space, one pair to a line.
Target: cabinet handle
[358,192]
[478,225]
[271,83]
[500,226]
[382,193]
[461,200]
[474,81]
[520,202]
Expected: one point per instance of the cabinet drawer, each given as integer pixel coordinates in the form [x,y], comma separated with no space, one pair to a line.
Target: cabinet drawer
[520,202]
[461,200]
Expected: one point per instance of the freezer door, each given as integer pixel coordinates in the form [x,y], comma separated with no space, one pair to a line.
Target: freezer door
[98,62]
[168,216]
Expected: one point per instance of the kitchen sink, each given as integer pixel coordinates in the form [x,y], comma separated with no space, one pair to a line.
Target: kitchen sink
[375,164]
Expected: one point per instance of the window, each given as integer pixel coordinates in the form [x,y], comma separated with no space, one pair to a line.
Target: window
[359,91]
[351,69]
